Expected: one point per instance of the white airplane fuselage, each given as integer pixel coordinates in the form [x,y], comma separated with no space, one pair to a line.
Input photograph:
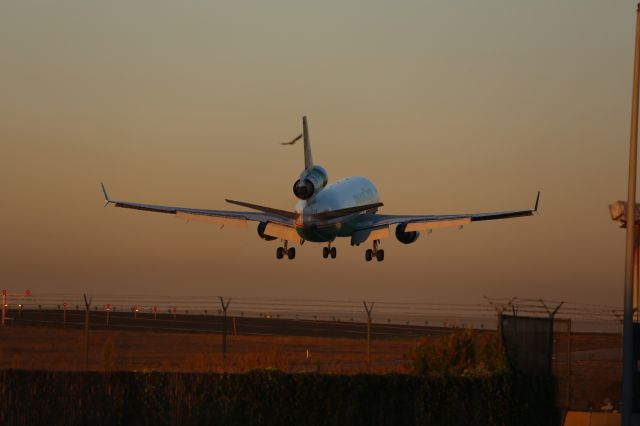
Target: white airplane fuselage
[349,192]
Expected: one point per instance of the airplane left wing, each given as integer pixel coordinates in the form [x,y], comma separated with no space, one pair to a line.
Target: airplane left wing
[283,221]
[422,223]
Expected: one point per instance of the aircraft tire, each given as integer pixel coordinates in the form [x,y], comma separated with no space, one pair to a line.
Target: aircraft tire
[325,252]
[280,252]
[368,255]
[291,253]
[380,255]
[334,252]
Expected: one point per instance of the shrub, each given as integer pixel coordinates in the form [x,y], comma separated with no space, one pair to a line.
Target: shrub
[462,352]
[270,397]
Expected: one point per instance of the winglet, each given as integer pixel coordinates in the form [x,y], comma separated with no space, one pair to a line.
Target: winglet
[535,209]
[106,196]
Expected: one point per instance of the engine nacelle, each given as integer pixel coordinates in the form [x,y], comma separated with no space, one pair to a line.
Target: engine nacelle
[406,237]
[262,226]
[310,183]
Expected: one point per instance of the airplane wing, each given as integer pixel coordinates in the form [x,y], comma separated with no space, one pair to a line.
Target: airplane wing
[280,223]
[422,223]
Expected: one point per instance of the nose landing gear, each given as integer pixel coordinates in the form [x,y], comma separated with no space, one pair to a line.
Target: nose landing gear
[329,251]
[290,252]
[376,252]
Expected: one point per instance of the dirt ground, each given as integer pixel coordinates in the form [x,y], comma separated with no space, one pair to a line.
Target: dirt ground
[591,373]
[50,348]
[585,378]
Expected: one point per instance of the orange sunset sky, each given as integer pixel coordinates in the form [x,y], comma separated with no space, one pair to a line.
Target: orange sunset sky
[448,107]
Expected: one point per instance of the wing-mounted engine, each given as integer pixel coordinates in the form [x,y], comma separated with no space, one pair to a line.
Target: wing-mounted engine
[311,181]
[406,237]
[262,226]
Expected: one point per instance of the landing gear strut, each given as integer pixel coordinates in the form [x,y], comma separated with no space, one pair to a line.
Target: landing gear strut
[290,252]
[376,252]
[329,251]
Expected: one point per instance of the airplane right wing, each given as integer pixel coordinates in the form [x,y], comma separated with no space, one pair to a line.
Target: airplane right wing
[376,226]
[279,223]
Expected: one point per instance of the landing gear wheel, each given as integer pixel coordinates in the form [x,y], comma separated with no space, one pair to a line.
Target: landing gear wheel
[291,253]
[380,255]
[279,252]
[368,255]
[325,252]
[334,252]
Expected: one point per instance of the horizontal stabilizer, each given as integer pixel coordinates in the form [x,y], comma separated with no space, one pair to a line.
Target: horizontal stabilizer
[283,213]
[296,139]
[335,214]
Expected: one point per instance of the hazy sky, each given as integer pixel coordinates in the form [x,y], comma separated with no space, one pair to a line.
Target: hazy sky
[448,107]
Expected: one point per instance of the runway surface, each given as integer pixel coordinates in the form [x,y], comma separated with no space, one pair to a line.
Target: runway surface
[239,325]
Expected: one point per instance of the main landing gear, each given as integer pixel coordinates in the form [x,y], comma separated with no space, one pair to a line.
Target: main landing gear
[329,251]
[377,252]
[282,251]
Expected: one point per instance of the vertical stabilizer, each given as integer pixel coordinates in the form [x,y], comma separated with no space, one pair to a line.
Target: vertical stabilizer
[308,159]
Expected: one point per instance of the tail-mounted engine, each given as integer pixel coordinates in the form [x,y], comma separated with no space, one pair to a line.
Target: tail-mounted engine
[310,183]
[262,226]
[406,237]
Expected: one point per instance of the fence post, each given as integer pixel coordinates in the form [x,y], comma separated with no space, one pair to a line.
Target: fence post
[569,367]
[4,306]
[500,310]
[368,310]
[552,315]
[87,305]
[108,309]
[224,326]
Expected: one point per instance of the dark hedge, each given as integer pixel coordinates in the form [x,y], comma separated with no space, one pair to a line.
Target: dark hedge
[272,398]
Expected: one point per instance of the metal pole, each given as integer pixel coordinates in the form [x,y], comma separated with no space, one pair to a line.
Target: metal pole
[224,326]
[87,305]
[636,271]
[627,350]
[369,342]
[224,335]
[368,309]
[552,315]
[4,306]
[499,310]
[569,368]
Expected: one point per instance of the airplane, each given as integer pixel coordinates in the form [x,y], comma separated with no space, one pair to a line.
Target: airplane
[347,208]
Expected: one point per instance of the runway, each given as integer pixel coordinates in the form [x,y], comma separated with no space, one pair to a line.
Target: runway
[239,325]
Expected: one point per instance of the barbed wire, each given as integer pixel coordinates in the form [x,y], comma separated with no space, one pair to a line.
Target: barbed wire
[478,315]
